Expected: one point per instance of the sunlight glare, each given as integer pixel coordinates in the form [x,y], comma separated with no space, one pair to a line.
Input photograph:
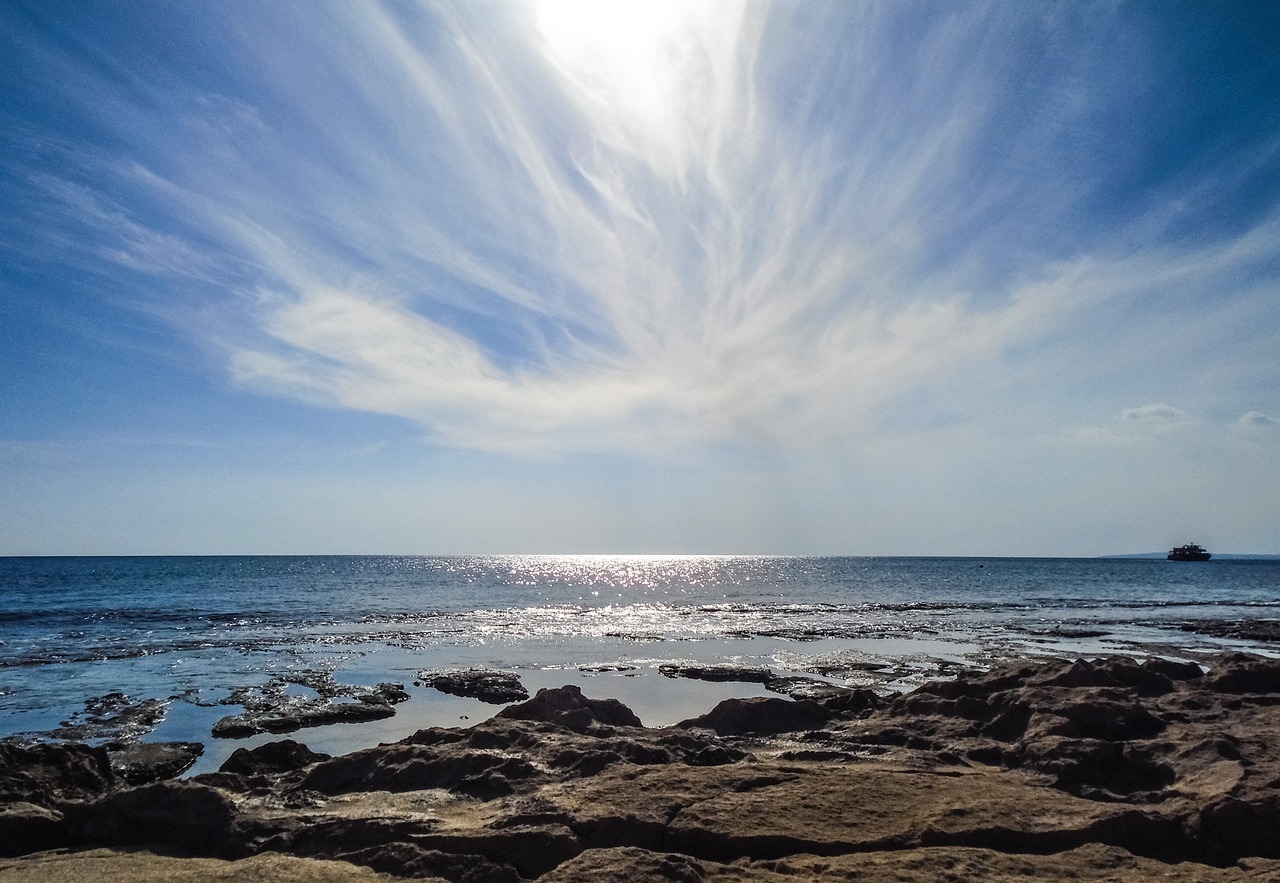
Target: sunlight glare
[608,28]
[627,60]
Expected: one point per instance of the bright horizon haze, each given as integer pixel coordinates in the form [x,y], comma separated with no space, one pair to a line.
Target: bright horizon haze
[553,276]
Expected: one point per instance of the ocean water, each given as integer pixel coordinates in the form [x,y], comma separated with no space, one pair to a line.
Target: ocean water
[187,631]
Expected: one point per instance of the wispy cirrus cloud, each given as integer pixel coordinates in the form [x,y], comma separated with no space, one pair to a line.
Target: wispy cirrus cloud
[538,228]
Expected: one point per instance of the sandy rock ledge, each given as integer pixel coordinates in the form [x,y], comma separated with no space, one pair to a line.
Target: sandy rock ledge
[1085,770]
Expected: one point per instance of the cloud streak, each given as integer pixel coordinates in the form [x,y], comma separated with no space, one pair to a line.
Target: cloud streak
[710,224]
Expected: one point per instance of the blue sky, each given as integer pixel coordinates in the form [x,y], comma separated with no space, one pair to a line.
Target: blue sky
[793,278]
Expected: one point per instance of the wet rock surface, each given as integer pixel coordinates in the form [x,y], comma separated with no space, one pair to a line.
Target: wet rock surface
[494,687]
[273,709]
[749,674]
[283,756]
[138,763]
[1107,769]
[114,716]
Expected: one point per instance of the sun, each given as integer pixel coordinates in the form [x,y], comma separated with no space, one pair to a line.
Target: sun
[629,63]
[608,28]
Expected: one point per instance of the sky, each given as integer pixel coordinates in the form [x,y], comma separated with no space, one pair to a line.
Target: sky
[873,278]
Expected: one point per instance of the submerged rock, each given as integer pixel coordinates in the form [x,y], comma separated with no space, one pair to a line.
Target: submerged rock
[271,710]
[112,716]
[295,716]
[749,674]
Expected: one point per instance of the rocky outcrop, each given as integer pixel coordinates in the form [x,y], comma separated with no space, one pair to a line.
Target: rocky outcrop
[186,815]
[138,763]
[1089,770]
[283,756]
[26,827]
[748,674]
[112,716]
[494,687]
[45,774]
[271,709]
[296,716]
[761,716]
[567,707]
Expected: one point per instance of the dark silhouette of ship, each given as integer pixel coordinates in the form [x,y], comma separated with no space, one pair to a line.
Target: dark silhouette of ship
[1189,552]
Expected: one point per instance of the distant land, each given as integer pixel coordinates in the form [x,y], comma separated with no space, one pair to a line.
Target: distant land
[1217,556]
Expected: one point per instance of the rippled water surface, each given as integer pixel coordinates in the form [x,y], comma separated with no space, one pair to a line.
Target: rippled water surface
[196,627]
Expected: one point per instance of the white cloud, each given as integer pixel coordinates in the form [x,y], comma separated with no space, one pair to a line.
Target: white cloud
[533,231]
[1256,419]
[1157,414]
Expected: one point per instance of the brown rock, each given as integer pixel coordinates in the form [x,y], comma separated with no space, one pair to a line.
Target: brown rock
[187,815]
[295,716]
[45,774]
[407,767]
[1242,673]
[494,687]
[283,756]
[25,827]
[141,762]
[627,864]
[748,674]
[107,866]
[761,716]
[567,707]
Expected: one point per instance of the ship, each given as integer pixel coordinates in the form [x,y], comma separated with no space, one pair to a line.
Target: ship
[1189,552]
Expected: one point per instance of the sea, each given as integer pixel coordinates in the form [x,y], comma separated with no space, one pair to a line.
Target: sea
[189,637]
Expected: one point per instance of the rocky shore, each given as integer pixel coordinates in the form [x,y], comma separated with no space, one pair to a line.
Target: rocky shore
[1108,769]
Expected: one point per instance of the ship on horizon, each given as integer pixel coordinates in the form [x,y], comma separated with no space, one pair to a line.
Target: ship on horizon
[1189,552]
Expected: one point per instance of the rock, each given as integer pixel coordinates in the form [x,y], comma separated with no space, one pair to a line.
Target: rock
[761,716]
[720,672]
[1028,771]
[135,866]
[112,716]
[1173,670]
[807,688]
[140,762]
[1232,826]
[626,864]
[270,709]
[407,767]
[1097,769]
[283,756]
[25,827]
[392,694]
[1241,673]
[1093,714]
[494,687]
[297,715]
[851,701]
[567,707]
[532,850]
[1116,671]
[1260,630]
[411,860]
[46,774]
[191,816]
